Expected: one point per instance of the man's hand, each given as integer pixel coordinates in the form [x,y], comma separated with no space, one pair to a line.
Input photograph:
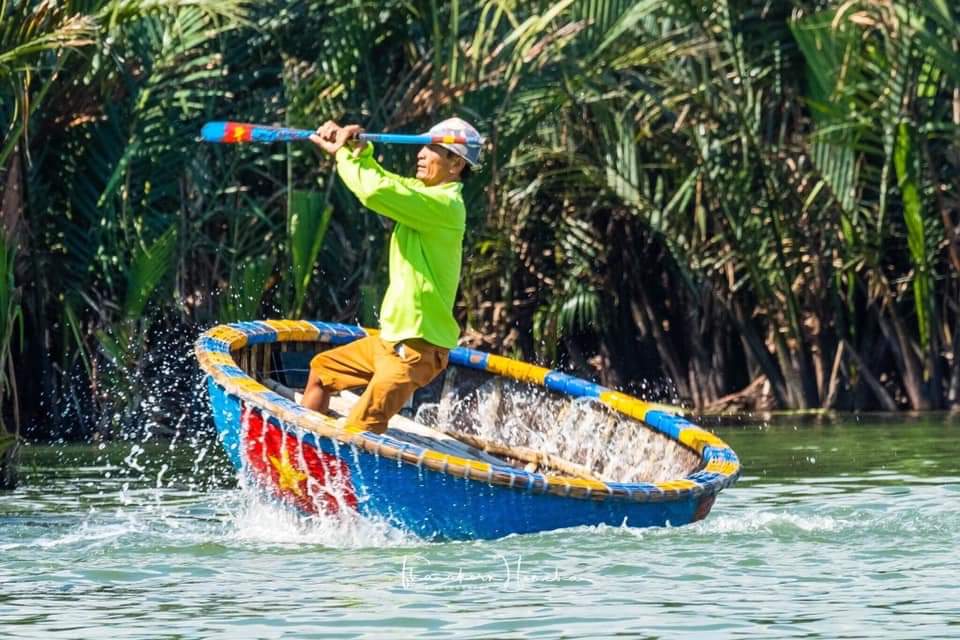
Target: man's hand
[326,137]
[331,136]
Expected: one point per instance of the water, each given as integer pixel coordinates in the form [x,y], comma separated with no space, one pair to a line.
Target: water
[841,530]
[607,444]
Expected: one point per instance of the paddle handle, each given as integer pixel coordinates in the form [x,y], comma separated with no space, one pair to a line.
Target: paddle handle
[241,132]
[419,138]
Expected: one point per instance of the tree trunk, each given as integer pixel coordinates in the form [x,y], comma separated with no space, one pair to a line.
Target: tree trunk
[9,450]
[907,361]
[830,393]
[934,386]
[707,351]
[791,380]
[646,319]
[876,350]
[758,350]
[802,376]
[11,211]
[953,393]
[864,370]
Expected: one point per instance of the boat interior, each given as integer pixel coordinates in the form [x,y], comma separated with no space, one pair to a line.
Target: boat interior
[454,413]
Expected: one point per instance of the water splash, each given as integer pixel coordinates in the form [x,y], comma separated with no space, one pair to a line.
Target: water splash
[261,521]
[777,522]
[580,430]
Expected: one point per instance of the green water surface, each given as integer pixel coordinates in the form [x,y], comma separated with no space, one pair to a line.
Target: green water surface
[835,530]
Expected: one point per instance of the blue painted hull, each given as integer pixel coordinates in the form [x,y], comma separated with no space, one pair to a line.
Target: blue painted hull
[440,506]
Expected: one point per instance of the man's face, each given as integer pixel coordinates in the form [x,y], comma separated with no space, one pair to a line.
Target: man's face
[436,165]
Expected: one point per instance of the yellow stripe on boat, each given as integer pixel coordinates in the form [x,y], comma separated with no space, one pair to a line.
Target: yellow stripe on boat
[627,405]
[696,438]
[582,483]
[348,428]
[456,461]
[635,407]
[517,370]
[481,468]
[215,358]
[311,420]
[293,330]
[247,384]
[676,485]
[233,337]
[725,467]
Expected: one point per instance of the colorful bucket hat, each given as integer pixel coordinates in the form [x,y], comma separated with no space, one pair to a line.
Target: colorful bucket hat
[458,127]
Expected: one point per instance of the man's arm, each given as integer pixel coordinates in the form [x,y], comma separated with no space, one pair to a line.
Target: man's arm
[406,200]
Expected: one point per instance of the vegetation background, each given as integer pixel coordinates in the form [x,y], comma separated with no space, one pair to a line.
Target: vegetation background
[725,203]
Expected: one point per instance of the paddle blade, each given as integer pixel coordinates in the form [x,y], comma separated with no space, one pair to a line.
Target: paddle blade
[239,132]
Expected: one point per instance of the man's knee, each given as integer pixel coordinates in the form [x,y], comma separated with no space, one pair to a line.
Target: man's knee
[318,377]
[383,399]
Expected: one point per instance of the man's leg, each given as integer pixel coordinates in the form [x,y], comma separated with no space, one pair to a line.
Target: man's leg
[399,371]
[350,365]
[380,401]
[315,396]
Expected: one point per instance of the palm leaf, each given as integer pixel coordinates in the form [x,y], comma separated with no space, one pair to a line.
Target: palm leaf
[146,271]
[905,160]
[309,219]
[247,287]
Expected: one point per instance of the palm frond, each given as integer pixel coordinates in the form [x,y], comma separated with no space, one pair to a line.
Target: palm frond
[146,271]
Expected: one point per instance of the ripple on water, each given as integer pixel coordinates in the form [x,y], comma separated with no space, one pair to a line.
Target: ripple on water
[852,552]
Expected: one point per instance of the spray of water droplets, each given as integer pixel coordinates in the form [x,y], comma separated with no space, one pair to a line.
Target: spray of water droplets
[582,431]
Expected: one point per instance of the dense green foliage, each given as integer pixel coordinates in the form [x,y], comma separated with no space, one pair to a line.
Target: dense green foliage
[721,193]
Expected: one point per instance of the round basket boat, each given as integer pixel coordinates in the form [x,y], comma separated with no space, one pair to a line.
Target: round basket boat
[422,479]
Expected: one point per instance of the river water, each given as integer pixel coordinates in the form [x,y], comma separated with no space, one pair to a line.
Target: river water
[835,530]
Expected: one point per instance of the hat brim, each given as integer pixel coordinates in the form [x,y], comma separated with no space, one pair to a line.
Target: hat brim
[452,148]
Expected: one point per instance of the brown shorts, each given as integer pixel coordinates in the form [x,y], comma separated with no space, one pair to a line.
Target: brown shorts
[391,371]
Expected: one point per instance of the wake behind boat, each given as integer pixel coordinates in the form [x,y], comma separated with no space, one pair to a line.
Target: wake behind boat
[442,476]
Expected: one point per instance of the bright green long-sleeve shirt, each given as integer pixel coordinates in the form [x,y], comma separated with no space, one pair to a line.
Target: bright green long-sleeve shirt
[426,247]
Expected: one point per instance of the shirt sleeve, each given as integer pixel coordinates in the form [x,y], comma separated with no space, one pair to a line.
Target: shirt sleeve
[406,200]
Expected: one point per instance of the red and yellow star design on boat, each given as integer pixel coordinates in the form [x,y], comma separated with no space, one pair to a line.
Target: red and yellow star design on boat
[288,476]
[295,470]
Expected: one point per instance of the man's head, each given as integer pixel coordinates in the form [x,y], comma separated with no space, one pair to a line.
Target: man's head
[436,165]
[439,163]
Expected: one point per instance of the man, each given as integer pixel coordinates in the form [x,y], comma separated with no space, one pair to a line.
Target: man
[417,327]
